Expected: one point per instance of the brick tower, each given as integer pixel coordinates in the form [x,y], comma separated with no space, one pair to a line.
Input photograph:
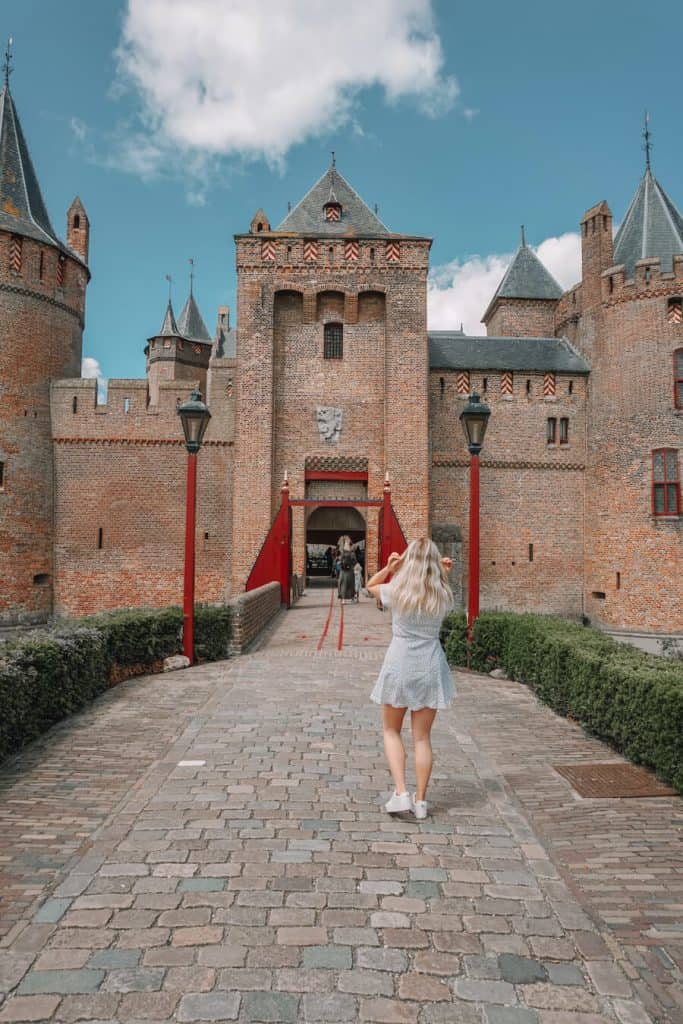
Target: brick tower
[42,302]
[332,366]
[627,316]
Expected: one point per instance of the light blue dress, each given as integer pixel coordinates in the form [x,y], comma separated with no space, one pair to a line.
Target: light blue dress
[415,673]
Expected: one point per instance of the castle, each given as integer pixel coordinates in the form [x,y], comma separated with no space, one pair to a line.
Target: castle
[331,379]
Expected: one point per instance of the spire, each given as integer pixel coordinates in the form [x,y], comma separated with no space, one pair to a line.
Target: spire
[190,322]
[22,208]
[355,216]
[653,226]
[525,278]
[169,328]
[647,146]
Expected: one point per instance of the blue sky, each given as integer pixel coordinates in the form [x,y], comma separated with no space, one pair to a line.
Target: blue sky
[462,121]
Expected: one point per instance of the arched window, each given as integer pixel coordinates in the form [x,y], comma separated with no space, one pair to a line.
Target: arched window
[333,347]
[678,378]
[666,487]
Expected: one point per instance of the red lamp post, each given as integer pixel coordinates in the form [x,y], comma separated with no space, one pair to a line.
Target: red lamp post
[194,416]
[474,418]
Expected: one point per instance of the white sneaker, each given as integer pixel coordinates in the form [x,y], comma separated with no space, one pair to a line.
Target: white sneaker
[397,803]
[419,808]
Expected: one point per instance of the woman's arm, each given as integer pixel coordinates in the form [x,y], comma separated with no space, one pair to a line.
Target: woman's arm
[376,581]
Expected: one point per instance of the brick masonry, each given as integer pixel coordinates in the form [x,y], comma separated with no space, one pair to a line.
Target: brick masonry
[565,527]
[250,613]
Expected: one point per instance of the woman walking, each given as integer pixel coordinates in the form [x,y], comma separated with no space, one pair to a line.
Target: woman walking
[415,675]
[346,590]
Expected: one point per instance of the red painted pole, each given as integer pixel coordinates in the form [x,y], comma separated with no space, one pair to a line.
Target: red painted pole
[285,567]
[385,540]
[473,592]
[188,590]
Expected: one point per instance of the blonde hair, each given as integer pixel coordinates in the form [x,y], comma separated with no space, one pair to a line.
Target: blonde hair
[420,586]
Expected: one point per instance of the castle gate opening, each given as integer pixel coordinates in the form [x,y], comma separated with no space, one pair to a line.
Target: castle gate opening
[324,526]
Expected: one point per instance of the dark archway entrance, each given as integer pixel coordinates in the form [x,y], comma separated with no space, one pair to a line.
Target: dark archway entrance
[324,526]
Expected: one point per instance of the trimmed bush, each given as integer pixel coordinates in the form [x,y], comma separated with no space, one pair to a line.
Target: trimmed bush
[51,673]
[628,698]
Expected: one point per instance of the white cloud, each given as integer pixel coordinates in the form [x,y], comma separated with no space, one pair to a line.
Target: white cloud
[79,128]
[460,291]
[90,368]
[255,77]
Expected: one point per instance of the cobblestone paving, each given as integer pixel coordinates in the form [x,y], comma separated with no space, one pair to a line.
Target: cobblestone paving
[247,872]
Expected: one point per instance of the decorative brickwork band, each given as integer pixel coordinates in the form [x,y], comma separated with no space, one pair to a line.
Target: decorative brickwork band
[549,385]
[502,464]
[16,290]
[145,441]
[310,251]
[336,464]
[675,311]
[506,382]
[393,252]
[462,382]
[352,251]
[268,250]
[15,254]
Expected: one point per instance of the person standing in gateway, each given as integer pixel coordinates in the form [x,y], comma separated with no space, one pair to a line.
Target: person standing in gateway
[415,675]
[347,587]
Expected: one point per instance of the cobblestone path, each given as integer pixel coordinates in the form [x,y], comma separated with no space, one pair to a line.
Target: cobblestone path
[210,846]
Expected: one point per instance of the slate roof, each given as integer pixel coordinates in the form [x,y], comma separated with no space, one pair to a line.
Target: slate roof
[652,227]
[308,216]
[525,278]
[451,350]
[225,343]
[169,328]
[190,323]
[22,208]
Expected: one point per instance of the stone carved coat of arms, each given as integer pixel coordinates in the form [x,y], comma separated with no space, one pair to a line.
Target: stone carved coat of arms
[329,422]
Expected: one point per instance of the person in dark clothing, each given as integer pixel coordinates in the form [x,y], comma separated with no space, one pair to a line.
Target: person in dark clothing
[347,587]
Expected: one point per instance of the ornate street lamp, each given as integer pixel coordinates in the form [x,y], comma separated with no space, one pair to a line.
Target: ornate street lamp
[194,416]
[474,419]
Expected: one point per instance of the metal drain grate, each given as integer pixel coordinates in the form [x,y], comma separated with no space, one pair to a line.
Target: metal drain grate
[612,780]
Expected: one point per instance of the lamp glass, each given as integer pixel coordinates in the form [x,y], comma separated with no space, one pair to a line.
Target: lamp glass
[194,416]
[474,419]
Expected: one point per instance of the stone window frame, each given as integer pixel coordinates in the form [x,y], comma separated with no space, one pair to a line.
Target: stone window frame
[666,482]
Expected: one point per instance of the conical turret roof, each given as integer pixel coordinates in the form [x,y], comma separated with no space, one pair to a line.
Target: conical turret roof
[525,278]
[169,328]
[308,216]
[22,208]
[190,322]
[652,226]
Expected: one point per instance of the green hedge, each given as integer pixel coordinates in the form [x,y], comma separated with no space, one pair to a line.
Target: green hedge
[628,698]
[50,673]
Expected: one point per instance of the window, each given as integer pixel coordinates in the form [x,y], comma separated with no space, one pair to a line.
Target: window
[41,266]
[442,385]
[100,538]
[564,430]
[531,552]
[2,476]
[528,387]
[666,488]
[484,384]
[74,404]
[126,405]
[77,221]
[551,430]
[678,378]
[334,341]
[618,581]
[41,579]
[674,311]
[330,255]
[570,387]
[372,255]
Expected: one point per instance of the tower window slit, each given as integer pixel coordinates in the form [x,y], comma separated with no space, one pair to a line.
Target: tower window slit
[74,404]
[2,476]
[100,538]
[531,552]
[528,387]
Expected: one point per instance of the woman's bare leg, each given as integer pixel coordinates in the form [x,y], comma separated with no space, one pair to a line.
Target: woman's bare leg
[421,723]
[392,720]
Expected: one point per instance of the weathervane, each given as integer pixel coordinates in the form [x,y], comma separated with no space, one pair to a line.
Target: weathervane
[170,282]
[523,238]
[648,145]
[334,159]
[7,66]
[191,262]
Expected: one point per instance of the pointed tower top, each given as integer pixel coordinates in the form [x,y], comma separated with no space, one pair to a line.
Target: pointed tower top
[190,323]
[653,226]
[22,208]
[525,278]
[169,328]
[7,66]
[355,216]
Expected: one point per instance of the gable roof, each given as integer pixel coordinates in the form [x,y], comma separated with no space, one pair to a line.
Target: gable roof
[308,216]
[190,322]
[652,227]
[452,350]
[525,278]
[22,208]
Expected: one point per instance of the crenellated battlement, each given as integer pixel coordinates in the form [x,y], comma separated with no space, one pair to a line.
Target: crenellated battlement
[648,281]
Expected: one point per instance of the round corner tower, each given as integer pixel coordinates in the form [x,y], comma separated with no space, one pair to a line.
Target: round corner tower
[42,302]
